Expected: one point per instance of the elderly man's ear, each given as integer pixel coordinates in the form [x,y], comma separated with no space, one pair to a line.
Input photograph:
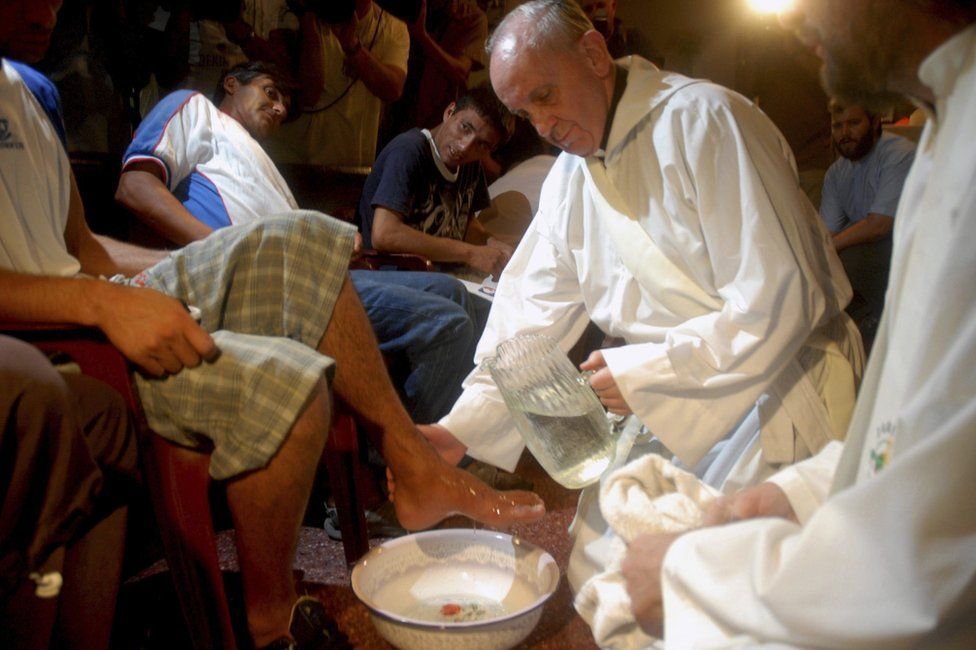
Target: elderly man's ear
[231,84]
[595,48]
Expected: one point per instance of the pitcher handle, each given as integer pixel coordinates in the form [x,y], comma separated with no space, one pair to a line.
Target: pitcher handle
[616,422]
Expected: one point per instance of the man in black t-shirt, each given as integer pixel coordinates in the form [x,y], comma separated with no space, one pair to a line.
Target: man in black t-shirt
[427,186]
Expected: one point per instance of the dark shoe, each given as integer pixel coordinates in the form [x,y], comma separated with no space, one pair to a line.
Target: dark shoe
[281,643]
[311,627]
[381,522]
[497,478]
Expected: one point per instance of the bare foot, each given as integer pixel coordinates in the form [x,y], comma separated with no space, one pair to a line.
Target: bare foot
[424,500]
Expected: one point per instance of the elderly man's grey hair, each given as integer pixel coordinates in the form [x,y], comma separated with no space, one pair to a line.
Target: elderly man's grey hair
[550,24]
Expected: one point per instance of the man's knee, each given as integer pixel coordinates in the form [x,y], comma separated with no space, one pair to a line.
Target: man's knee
[29,382]
[312,426]
[108,425]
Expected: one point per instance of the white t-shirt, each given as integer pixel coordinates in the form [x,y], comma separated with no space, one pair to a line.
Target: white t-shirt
[210,162]
[35,190]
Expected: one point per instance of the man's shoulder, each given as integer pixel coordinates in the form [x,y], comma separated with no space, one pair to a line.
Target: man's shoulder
[40,86]
[894,148]
[43,90]
[405,147]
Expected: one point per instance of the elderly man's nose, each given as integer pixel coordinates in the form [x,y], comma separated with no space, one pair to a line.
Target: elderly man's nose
[542,123]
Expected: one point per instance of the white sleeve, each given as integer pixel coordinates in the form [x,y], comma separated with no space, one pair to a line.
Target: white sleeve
[177,135]
[537,293]
[881,564]
[807,483]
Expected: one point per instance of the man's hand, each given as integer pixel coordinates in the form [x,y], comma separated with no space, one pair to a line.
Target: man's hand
[488,259]
[605,385]
[345,33]
[357,247]
[641,569]
[763,500]
[154,331]
[450,448]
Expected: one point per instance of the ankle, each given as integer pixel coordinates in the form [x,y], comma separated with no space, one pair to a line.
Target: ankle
[269,623]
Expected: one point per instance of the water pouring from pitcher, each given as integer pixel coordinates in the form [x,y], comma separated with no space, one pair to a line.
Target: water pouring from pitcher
[559,416]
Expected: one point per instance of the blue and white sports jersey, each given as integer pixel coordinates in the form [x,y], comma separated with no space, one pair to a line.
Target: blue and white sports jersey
[35,177]
[209,161]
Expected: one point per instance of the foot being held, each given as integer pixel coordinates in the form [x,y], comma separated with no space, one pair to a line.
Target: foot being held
[430,490]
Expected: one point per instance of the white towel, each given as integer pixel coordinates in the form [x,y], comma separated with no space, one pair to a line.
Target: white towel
[648,495]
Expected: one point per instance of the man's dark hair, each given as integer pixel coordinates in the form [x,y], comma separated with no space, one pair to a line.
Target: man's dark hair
[836,107]
[248,71]
[483,101]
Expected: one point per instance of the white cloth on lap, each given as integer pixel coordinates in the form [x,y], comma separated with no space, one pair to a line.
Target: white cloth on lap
[648,495]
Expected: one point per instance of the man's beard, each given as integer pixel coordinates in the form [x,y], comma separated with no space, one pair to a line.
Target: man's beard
[861,147]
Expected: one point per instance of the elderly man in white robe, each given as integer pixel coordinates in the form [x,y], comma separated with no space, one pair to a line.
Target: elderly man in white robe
[675,221]
[888,559]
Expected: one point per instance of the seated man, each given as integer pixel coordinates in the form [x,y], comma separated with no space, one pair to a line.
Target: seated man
[427,186]
[69,459]
[193,167]
[860,194]
[279,323]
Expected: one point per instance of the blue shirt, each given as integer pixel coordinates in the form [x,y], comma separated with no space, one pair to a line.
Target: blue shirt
[854,189]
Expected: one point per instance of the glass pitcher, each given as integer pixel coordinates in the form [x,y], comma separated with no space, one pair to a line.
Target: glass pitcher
[558,414]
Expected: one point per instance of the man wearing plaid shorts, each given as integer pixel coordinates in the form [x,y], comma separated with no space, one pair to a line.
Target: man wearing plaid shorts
[279,317]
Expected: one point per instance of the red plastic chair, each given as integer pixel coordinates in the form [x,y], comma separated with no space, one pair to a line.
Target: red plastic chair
[179,482]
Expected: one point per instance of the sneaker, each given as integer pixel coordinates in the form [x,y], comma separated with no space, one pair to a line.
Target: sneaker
[381,522]
[311,627]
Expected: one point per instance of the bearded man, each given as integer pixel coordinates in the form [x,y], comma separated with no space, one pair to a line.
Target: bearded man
[860,194]
[879,550]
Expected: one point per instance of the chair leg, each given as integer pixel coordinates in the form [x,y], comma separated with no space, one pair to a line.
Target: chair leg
[342,462]
[180,482]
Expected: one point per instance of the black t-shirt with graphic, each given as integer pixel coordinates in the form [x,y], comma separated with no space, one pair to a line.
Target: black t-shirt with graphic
[406,179]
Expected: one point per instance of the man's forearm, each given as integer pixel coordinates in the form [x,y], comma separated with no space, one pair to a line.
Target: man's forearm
[103,255]
[455,68]
[310,71]
[150,200]
[404,239]
[50,299]
[867,230]
[382,79]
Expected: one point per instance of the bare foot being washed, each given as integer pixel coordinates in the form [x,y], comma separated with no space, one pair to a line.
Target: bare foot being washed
[430,490]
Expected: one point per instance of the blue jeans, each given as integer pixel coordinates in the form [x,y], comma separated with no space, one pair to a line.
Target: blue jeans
[433,322]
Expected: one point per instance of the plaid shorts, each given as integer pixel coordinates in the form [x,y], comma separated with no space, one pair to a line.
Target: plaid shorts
[266,291]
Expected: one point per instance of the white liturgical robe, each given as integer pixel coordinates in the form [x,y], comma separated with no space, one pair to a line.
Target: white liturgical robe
[889,560]
[741,277]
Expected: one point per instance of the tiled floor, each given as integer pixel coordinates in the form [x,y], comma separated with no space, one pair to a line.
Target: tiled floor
[149,617]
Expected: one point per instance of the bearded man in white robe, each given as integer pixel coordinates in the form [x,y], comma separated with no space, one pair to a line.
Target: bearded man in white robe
[673,220]
[873,546]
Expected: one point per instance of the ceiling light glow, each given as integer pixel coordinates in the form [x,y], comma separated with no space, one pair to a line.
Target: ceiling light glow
[770,6]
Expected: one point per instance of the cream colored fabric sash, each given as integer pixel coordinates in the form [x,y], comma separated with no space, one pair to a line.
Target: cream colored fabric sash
[811,399]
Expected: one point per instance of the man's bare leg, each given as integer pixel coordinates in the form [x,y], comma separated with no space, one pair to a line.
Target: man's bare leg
[268,506]
[427,488]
